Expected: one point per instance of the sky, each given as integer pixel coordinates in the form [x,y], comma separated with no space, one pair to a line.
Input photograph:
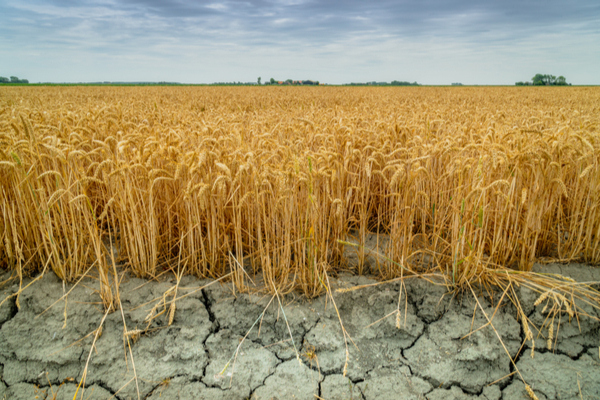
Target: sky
[435,42]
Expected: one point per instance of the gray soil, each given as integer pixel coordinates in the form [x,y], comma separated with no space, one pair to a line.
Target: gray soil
[426,357]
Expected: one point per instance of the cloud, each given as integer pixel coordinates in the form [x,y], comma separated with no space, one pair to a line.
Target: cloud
[432,41]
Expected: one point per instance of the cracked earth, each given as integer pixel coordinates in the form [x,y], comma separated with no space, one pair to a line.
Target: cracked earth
[437,352]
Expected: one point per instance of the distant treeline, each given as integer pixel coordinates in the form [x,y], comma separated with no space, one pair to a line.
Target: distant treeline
[232,84]
[12,79]
[392,83]
[108,83]
[545,80]
[273,81]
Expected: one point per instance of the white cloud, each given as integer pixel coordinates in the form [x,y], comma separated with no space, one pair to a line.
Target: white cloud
[217,6]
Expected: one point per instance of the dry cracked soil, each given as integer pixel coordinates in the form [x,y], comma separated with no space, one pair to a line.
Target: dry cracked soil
[426,357]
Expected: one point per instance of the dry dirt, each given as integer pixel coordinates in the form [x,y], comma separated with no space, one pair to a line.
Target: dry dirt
[423,359]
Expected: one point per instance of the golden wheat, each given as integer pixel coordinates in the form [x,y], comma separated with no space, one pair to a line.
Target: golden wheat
[279,179]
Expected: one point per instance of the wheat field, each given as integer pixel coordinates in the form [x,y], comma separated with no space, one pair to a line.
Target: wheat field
[216,181]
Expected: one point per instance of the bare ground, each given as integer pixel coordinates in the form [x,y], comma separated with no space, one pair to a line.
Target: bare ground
[426,357]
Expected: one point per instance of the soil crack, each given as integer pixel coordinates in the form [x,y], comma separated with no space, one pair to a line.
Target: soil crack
[307,331]
[215,326]
[108,389]
[425,332]
[11,304]
[2,377]
[208,304]
[264,382]
[163,383]
[544,350]
[54,384]
[282,360]
[362,394]
[506,382]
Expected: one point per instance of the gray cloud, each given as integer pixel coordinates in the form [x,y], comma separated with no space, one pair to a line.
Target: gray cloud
[431,41]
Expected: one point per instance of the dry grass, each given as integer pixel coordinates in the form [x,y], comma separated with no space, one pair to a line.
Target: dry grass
[220,180]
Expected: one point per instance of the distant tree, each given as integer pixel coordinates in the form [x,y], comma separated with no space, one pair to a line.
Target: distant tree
[259,80]
[548,80]
[13,79]
[272,81]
